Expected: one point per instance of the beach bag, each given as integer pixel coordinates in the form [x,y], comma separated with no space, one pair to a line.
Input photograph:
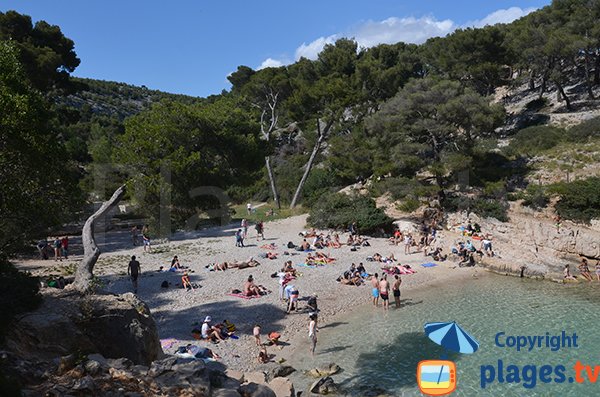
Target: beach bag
[164,284]
[291,245]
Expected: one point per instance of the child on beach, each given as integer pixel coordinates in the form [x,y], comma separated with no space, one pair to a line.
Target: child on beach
[312,332]
[263,356]
[256,333]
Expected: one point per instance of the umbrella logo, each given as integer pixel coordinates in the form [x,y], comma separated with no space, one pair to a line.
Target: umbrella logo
[438,377]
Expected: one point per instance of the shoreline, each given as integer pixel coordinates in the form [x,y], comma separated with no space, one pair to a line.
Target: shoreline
[177,311]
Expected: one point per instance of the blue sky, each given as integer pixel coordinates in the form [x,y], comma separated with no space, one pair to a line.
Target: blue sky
[190,46]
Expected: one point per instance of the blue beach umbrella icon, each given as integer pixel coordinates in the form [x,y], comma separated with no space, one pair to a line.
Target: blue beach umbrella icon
[452,337]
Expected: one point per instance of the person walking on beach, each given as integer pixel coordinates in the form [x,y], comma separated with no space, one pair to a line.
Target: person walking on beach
[134,270]
[239,238]
[64,244]
[260,230]
[375,289]
[384,289]
[312,332]
[146,238]
[396,290]
[244,226]
[57,249]
[407,243]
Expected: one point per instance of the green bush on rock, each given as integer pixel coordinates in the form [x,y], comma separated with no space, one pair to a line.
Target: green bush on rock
[338,211]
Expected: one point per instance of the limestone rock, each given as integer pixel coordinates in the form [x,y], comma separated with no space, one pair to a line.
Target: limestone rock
[279,371]
[255,390]
[282,387]
[114,326]
[330,369]
[325,385]
[255,377]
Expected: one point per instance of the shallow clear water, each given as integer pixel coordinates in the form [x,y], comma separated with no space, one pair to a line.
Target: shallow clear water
[381,350]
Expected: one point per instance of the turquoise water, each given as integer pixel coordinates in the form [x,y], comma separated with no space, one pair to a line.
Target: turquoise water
[381,350]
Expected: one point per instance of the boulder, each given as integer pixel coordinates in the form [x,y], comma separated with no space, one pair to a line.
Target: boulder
[66,363]
[255,390]
[282,387]
[237,375]
[279,371]
[85,384]
[330,369]
[325,385]
[255,377]
[92,367]
[113,325]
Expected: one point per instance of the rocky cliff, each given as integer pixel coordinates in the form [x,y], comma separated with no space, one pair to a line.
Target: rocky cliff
[532,239]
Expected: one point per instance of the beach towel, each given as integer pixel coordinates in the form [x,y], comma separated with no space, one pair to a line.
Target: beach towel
[192,357]
[240,295]
[429,264]
[168,343]
[310,266]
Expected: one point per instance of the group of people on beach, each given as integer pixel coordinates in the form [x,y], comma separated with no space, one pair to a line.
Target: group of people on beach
[59,248]
[381,289]
[242,233]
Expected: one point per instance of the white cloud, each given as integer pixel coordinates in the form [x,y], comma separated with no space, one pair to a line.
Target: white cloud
[501,16]
[408,30]
[270,63]
[393,30]
[388,31]
[312,49]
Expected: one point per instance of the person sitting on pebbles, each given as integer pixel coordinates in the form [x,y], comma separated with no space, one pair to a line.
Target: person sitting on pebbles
[209,332]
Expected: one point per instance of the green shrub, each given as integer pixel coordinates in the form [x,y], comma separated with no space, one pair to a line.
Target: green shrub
[584,131]
[534,140]
[19,294]
[535,196]
[578,200]
[338,211]
[402,188]
[319,182]
[409,205]
[490,208]
[483,207]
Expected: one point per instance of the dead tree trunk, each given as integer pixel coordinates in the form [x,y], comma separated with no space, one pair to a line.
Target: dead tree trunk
[272,182]
[268,124]
[322,134]
[91,252]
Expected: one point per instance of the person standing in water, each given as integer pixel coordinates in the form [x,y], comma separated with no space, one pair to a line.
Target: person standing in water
[134,270]
[375,290]
[384,289]
[312,332]
[396,290]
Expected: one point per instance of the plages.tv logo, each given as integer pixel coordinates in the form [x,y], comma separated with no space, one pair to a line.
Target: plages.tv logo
[438,377]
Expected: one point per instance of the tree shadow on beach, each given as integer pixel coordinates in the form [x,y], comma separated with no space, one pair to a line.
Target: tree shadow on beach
[395,364]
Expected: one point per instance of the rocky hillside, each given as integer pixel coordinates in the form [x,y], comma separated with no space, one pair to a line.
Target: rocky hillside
[109,98]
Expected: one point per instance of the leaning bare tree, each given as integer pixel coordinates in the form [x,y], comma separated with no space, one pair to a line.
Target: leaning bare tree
[268,123]
[322,133]
[91,252]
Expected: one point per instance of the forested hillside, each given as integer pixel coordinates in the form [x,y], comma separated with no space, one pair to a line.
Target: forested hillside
[470,121]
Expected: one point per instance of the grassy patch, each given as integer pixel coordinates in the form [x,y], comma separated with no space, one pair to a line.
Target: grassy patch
[260,213]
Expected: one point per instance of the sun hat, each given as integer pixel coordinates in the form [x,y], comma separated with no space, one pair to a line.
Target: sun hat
[207,319]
